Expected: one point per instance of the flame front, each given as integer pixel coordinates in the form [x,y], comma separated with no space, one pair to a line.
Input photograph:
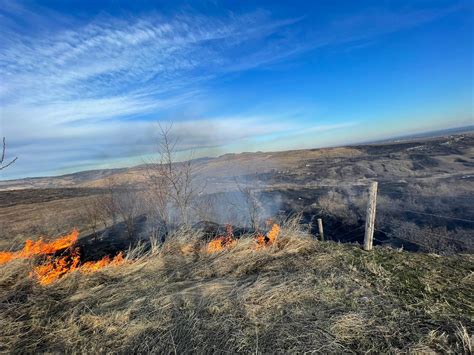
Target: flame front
[39,247]
[270,238]
[222,242]
[92,266]
[54,268]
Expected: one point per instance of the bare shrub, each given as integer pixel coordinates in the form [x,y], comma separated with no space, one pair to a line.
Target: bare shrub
[252,206]
[128,208]
[337,205]
[95,214]
[115,204]
[216,208]
[171,184]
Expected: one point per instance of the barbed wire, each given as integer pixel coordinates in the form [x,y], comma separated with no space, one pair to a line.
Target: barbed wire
[408,240]
[391,192]
[431,232]
[399,193]
[434,215]
[352,231]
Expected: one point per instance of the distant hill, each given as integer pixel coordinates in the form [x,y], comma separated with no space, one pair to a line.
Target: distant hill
[247,163]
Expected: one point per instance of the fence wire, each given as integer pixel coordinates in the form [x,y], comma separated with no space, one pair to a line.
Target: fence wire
[392,235]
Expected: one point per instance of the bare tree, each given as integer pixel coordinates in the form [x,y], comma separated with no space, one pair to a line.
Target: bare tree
[4,165]
[94,214]
[173,187]
[252,205]
[121,203]
[128,209]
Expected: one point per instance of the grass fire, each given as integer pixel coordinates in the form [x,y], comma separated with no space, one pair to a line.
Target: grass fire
[52,267]
[68,256]
[260,286]
[160,268]
[236,177]
[227,241]
[36,248]
[222,242]
[270,238]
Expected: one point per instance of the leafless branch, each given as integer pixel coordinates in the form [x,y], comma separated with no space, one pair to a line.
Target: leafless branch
[251,204]
[2,160]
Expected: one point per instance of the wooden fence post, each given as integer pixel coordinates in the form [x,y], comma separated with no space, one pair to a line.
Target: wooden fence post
[370,218]
[320,227]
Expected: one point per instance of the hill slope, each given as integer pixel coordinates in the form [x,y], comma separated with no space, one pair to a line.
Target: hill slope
[427,158]
[298,295]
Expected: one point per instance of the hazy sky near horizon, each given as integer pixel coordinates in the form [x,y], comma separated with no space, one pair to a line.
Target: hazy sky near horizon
[83,83]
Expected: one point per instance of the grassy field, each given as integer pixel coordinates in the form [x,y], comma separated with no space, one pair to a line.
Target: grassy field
[296,295]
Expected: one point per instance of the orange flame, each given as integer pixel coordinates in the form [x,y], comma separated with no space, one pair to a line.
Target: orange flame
[222,242]
[39,247]
[273,233]
[54,269]
[262,240]
[92,266]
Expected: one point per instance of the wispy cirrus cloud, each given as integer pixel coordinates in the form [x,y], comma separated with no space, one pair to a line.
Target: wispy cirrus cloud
[109,55]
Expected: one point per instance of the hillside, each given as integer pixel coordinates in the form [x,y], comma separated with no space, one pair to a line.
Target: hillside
[417,179]
[422,158]
[297,295]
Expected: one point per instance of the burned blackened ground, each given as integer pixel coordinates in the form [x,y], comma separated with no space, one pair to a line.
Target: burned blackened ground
[336,227]
[210,230]
[404,218]
[113,240]
[414,215]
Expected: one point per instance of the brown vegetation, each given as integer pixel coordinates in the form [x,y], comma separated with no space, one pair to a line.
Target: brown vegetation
[298,295]
[187,287]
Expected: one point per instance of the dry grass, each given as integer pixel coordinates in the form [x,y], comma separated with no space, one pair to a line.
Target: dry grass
[298,295]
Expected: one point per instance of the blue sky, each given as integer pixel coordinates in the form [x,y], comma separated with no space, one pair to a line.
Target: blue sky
[83,83]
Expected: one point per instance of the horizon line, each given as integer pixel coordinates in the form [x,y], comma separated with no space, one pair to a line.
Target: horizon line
[412,136]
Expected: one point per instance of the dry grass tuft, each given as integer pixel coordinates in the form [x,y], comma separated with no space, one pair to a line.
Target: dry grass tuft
[466,339]
[350,326]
